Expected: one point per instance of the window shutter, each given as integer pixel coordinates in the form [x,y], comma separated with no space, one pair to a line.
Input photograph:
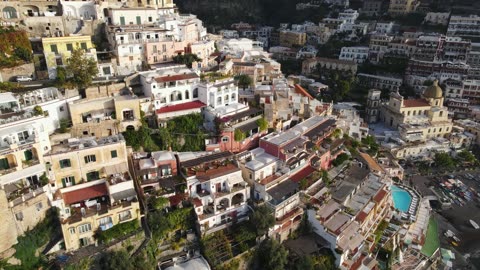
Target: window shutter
[85,158]
[73,180]
[63,181]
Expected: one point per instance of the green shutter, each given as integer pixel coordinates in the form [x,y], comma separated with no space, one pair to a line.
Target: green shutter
[28,155]
[63,182]
[139,20]
[4,164]
[94,158]
[85,158]
[73,180]
[122,20]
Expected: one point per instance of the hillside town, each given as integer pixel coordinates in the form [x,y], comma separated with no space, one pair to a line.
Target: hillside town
[135,135]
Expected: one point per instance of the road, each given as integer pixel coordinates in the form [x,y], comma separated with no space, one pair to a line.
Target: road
[36,84]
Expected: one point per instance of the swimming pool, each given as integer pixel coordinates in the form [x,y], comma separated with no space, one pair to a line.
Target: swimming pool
[401,198]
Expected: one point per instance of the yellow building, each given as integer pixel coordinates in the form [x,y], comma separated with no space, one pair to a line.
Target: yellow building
[95,206]
[106,116]
[418,119]
[292,38]
[58,49]
[78,161]
[402,7]
[94,188]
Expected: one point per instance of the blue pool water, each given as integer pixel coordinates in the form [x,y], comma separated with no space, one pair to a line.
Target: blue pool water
[401,198]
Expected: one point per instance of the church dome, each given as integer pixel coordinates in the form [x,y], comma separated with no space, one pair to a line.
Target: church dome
[433,91]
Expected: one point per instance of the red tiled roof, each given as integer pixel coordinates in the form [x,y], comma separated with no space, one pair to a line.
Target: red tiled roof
[182,107]
[302,174]
[302,91]
[361,216]
[176,77]
[380,195]
[415,103]
[83,194]
[176,199]
[197,202]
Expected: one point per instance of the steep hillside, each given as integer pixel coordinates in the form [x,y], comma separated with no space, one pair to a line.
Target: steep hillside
[220,13]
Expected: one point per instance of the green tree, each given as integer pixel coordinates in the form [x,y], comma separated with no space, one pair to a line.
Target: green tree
[64,124]
[303,184]
[304,263]
[271,255]
[444,161]
[81,69]
[262,124]
[244,81]
[83,264]
[239,135]
[466,156]
[160,203]
[24,53]
[262,218]
[340,159]
[37,110]
[116,260]
[337,133]
[325,177]
[186,59]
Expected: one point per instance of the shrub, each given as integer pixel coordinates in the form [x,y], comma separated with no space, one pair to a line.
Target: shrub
[117,231]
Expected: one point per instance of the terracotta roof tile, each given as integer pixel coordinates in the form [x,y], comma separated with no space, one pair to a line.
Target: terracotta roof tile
[83,194]
[372,163]
[361,216]
[182,107]
[380,195]
[299,89]
[302,174]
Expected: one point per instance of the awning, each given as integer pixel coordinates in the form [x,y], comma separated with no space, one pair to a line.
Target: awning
[116,169]
[84,194]
[125,194]
[22,174]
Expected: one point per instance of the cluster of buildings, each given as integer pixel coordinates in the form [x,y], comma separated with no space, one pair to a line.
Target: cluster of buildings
[289,137]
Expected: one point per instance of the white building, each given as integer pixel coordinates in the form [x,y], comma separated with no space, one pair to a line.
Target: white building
[173,90]
[384,27]
[79,9]
[53,103]
[219,93]
[464,26]
[349,15]
[379,82]
[237,46]
[132,16]
[23,142]
[437,18]
[356,54]
[219,195]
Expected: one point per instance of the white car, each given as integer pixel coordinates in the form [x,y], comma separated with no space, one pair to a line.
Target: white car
[23,78]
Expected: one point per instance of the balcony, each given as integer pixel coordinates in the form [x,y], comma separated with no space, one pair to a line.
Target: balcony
[21,196]
[77,213]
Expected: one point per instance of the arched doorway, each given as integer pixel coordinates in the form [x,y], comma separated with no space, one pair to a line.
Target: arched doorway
[238,199]
[10,13]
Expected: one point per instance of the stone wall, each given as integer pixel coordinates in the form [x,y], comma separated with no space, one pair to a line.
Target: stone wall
[8,231]
[8,74]
[104,90]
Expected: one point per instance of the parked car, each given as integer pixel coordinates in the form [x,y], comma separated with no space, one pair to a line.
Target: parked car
[23,78]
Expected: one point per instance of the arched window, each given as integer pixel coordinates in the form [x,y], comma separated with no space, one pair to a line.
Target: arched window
[10,13]
[219,100]
[441,113]
[233,97]
[195,93]
[187,94]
